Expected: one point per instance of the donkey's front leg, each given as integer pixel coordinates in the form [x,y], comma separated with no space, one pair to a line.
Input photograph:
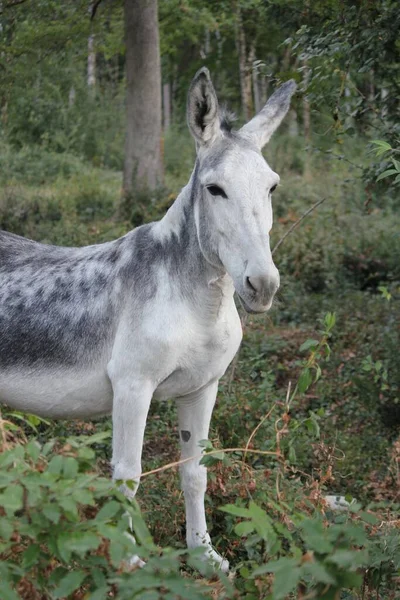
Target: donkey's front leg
[194,420]
[130,408]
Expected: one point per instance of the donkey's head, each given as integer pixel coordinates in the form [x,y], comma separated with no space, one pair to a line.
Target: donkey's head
[233,204]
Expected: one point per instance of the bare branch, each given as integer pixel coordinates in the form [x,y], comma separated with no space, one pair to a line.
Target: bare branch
[13,3]
[94,8]
[297,223]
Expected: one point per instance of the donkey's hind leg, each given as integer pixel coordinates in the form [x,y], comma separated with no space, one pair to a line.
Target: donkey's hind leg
[130,408]
[194,413]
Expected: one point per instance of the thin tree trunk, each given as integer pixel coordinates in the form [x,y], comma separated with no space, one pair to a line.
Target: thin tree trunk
[244,69]
[91,63]
[263,90]
[167,105]
[306,118]
[256,91]
[293,123]
[143,164]
[71,96]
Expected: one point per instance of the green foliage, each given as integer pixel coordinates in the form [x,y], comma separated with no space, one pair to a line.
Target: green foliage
[63,528]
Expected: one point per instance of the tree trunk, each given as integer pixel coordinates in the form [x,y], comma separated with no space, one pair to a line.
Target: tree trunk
[245,66]
[91,63]
[167,105]
[143,164]
[306,119]
[257,92]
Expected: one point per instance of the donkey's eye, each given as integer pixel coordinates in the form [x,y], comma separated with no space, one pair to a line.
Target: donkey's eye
[215,190]
[271,191]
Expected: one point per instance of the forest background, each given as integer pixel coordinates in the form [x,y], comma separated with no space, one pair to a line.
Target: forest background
[68,176]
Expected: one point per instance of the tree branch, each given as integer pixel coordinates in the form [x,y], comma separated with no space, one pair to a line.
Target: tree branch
[12,4]
[297,223]
[94,8]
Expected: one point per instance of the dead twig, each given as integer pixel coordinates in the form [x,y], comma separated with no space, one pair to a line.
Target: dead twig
[297,223]
[177,463]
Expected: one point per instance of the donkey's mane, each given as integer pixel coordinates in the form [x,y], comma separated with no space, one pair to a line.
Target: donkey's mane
[227,119]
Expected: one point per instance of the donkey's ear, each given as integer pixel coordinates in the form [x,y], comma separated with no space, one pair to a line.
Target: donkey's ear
[263,125]
[202,109]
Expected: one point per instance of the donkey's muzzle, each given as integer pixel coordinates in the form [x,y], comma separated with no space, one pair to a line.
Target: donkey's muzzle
[260,289]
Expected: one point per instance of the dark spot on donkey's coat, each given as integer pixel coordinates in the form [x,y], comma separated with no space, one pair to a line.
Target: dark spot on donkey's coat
[185,435]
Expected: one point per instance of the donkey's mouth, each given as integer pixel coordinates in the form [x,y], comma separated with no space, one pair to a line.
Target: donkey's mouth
[254,310]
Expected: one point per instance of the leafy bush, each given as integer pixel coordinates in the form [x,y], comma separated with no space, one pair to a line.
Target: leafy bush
[63,530]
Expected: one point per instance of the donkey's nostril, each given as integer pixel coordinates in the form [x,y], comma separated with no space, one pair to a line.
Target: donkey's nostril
[251,286]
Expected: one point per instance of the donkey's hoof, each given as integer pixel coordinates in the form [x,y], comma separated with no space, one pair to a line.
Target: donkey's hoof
[134,562]
[220,564]
[224,566]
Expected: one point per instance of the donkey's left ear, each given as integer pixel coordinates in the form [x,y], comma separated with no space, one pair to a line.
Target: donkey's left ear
[202,109]
[263,125]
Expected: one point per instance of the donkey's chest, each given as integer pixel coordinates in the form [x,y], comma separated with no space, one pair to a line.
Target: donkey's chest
[202,356]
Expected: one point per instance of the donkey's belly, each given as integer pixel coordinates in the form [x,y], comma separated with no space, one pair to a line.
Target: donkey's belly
[61,394]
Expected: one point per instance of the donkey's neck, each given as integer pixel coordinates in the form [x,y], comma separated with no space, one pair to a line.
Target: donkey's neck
[178,227]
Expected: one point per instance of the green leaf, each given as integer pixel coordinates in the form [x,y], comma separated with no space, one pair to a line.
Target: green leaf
[330,320]
[319,572]
[396,164]
[33,450]
[205,444]
[7,593]
[315,536]
[80,543]
[274,566]
[305,380]
[12,499]
[117,553]
[52,512]
[237,511]
[55,465]
[348,558]
[382,147]
[6,528]
[387,173]
[244,528]
[83,497]
[108,511]
[70,467]
[69,505]
[369,518]
[69,584]
[309,344]
[285,581]
[30,556]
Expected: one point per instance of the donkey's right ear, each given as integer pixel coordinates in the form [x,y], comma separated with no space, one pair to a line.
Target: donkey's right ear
[202,109]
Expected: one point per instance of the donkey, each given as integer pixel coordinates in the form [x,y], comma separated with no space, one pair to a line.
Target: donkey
[105,328]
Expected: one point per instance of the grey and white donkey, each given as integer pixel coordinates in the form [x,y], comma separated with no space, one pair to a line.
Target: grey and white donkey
[105,328]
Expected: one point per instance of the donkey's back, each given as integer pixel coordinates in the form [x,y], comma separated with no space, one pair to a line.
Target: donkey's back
[59,312]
